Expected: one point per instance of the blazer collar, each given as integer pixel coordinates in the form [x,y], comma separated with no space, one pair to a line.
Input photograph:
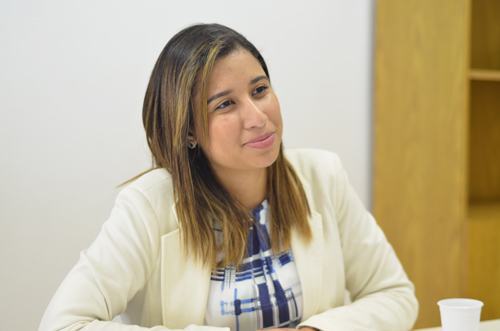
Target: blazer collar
[185,282]
[308,258]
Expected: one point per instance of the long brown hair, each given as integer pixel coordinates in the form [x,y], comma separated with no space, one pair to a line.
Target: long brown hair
[202,203]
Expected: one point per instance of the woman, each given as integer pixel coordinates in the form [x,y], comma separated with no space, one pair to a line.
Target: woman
[227,231]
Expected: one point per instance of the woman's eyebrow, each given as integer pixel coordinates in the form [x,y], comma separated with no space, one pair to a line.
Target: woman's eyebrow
[218,95]
[258,78]
[226,92]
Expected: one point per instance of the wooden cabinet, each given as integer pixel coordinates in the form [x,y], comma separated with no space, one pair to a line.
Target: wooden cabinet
[436,159]
[483,209]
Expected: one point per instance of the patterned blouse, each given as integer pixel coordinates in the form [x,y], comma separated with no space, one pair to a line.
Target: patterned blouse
[264,292]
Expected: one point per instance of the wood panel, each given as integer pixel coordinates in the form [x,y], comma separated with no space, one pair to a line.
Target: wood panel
[484,258]
[485,38]
[484,158]
[485,75]
[484,173]
[420,132]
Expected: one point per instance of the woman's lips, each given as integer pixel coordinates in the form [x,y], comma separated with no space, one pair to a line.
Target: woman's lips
[262,142]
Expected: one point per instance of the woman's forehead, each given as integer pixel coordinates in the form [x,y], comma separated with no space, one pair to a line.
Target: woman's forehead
[238,67]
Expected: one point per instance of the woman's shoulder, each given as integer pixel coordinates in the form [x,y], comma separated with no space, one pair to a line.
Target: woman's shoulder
[151,180]
[152,190]
[307,160]
[320,172]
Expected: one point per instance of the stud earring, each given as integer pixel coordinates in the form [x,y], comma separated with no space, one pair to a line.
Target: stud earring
[192,144]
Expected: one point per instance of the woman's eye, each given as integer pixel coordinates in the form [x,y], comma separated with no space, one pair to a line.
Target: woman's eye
[223,105]
[260,89]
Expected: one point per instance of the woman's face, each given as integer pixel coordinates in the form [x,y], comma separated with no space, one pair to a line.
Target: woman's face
[244,120]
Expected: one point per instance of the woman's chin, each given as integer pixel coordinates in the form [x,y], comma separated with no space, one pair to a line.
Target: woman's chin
[267,159]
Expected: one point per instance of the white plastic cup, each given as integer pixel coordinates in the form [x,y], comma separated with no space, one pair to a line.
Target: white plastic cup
[460,314]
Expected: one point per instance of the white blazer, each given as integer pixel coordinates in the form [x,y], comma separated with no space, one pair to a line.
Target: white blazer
[136,266]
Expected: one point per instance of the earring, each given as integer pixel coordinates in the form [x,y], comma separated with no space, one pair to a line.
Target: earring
[192,143]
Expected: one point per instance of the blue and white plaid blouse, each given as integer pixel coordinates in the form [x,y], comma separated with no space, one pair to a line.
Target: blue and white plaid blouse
[264,292]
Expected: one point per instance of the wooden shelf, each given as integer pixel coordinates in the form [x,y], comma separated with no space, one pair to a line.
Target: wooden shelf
[484,75]
[443,143]
[484,141]
[485,211]
[484,261]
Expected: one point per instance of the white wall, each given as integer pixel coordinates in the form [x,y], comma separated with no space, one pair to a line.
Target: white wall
[72,79]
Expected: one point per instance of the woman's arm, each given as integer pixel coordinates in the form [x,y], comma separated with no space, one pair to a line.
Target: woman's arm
[382,296]
[110,272]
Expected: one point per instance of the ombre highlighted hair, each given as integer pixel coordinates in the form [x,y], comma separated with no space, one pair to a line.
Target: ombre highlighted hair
[171,113]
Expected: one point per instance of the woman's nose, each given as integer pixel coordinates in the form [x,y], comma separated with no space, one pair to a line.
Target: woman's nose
[253,115]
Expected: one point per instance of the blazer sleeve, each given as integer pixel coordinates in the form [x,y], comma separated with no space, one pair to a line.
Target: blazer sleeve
[382,296]
[110,272]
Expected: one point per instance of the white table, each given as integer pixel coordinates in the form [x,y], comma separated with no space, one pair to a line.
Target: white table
[492,325]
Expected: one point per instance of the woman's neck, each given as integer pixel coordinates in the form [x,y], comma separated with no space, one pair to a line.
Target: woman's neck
[248,187]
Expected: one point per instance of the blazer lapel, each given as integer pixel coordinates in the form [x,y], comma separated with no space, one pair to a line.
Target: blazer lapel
[309,256]
[184,284]
[308,259]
